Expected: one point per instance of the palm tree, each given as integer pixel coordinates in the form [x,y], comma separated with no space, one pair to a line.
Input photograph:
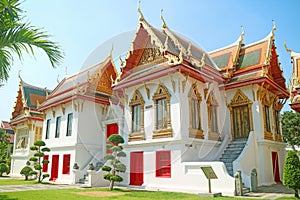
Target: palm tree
[17,37]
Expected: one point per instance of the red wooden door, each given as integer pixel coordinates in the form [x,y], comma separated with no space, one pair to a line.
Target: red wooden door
[54,167]
[275,167]
[111,129]
[136,168]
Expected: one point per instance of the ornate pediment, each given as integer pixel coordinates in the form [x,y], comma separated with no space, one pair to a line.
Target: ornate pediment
[137,98]
[240,99]
[150,54]
[161,92]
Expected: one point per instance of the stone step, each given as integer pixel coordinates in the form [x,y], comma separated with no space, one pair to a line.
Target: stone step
[246,190]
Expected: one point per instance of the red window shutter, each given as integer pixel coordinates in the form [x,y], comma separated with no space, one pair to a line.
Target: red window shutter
[45,165]
[163,164]
[66,164]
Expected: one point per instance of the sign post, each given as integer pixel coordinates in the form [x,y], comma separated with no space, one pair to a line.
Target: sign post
[210,174]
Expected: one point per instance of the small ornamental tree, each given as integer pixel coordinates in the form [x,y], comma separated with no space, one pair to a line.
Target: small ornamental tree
[27,171]
[3,169]
[37,158]
[116,165]
[291,172]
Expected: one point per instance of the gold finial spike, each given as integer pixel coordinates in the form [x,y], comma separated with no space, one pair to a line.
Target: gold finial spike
[19,75]
[286,48]
[139,10]
[164,25]
[243,31]
[274,28]
[57,79]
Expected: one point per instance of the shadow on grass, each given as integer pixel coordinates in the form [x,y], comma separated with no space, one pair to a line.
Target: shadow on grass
[4,197]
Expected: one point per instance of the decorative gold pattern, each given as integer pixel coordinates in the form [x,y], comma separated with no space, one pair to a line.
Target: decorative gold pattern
[212,102]
[137,99]
[240,100]
[161,93]
[194,94]
[149,55]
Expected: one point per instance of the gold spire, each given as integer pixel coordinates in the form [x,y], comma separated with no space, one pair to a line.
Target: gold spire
[19,75]
[286,48]
[273,29]
[139,10]
[164,25]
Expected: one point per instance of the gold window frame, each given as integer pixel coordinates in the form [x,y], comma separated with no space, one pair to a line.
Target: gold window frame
[195,95]
[137,99]
[240,99]
[161,93]
[212,101]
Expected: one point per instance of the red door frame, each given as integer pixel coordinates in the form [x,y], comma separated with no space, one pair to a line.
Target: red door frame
[136,168]
[111,129]
[275,166]
[54,167]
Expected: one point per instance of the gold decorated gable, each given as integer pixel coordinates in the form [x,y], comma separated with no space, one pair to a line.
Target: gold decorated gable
[240,98]
[150,54]
[137,99]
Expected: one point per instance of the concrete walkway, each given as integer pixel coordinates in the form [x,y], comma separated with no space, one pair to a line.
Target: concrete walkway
[27,187]
[264,192]
[271,192]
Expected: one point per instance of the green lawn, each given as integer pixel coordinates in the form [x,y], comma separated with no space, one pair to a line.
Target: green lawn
[71,194]
[10,181]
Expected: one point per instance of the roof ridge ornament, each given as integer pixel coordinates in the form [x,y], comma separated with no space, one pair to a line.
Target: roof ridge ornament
[164,25]
[140,12]
[286,48]
[273,29]
[241,39]
[19,76]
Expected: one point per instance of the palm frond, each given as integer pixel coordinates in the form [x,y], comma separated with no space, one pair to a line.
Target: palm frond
[25,37]
[5,62]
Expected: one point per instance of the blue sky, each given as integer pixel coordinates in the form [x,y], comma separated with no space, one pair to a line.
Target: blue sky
[82,26]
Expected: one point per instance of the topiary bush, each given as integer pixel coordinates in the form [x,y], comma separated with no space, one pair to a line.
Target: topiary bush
[291,172]
[26,171]
[3,169]
[114,158]
[38,159]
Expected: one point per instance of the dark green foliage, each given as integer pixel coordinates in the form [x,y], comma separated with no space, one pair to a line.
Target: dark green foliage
[39,143]
[116,178]
[291,128]
[107,176]
[45,161]
[120,167]
[33,148]
[33,172]
[45,149]
[106,168]
[26,171]
[291,172]
[108,157]
[33,159]
[45,176]
[116,139]
[3,169]
[4,141]
[38,158]
[39,154]
[116,165]
[37,167]
[121,154]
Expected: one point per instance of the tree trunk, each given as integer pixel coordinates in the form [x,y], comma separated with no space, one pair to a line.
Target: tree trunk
[296,193]
[112,182]
[26,178]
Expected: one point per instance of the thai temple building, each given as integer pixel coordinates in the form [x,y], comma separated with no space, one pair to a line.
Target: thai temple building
[295,80]
[180,110]
[27,122]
